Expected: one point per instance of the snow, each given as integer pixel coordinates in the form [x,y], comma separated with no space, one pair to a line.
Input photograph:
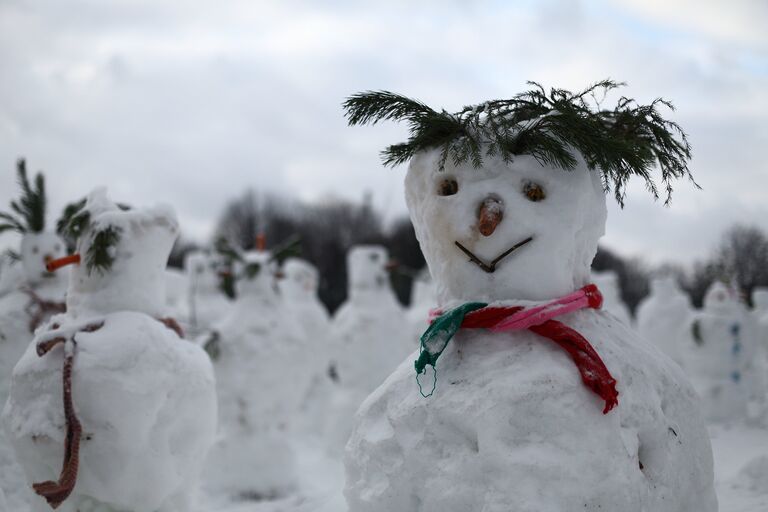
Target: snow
[663,318]
[423,299]
[510,417]
[145,396]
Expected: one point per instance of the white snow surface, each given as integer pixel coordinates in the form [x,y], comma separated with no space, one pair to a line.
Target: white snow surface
[423,299]
[147,404]
[663,318]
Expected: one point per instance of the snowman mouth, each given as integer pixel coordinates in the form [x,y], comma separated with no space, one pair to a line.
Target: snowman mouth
[491,267]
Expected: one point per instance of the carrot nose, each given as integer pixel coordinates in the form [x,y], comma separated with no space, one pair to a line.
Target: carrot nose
[261,242]
[490,215]
[54,265]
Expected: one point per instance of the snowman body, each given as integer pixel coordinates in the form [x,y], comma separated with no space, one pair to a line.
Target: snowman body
[259,387]
[510,426]
[760,314]
[145,397]
[664,316]
[725,361]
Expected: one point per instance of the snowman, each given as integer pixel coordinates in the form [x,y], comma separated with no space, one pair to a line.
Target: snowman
[724,360]
[538,400]
[608,282]
[138,413]
[370,335]
[663,316]
[31,293]
[176,294]
[206,303]
[259,359]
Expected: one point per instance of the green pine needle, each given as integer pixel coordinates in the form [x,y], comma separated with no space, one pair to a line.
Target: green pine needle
[627,140]
[28,212]
[100,255]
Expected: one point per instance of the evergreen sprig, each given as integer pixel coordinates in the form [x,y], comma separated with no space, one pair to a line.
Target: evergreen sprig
[28,212]
[627,140]
[100,255]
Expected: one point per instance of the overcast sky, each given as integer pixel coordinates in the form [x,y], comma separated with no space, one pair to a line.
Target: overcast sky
[189,102]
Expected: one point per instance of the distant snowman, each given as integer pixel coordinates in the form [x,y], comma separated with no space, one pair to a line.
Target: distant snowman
[608,282]
[541,401]
[664,316]
[370,336]
[31,293]
[257,351]
[206,302]
[139,404]
[725,362]
[298,288]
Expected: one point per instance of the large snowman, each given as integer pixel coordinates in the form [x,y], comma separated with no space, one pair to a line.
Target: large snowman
[724,360]
[139,406]
[664,316]
[422,301]
[261,379]
[543,402]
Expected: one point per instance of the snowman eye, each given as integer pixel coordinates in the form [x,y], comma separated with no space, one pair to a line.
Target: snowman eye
[534,192]
[56,247]
[447,187]
[34,250]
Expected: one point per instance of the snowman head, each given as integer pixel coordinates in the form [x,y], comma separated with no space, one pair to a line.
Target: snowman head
[27,217]
[664,286]
[257,273]
[515,230]
[202,270]
[507,197]
[367,269]
[121,257]
[37,249]
[300,280]
[720,298]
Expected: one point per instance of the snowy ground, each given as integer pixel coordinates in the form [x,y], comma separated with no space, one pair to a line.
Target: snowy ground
[734,448]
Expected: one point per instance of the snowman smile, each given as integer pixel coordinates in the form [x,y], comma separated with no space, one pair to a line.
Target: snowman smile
[491,267]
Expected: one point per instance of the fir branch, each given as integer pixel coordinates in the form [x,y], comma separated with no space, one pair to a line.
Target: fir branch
[73,220]
[32,203]
[628,140]
[289,248]
[100,255]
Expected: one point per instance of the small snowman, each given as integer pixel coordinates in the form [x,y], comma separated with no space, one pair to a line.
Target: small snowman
[139,403]
[540,401]
[32,294]
[370,335]
[662,317]
[608,282]
[724,361]
[206,302]
[261,378]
